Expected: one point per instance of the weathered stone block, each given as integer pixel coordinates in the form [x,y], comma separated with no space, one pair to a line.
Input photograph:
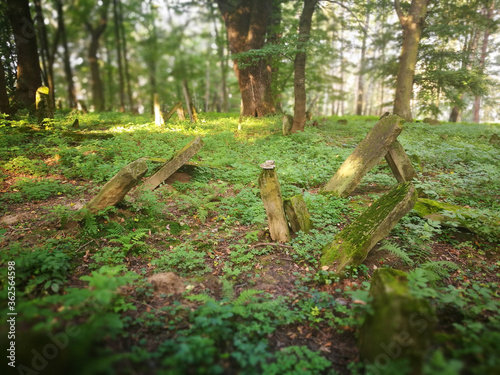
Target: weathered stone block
[366,155]
[351,246]
[44,105]
[297,214]
[116,188]
[400,326]
[400,163]
[287,124]
[177,161]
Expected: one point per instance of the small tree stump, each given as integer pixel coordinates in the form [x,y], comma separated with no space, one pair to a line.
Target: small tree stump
[44,105]
[400,327]
[366,155]
[270,192]
[177,161]
[351,246]
[297,214]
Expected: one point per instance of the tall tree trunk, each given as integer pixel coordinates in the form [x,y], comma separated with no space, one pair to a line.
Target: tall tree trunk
[119,54]
[223,64]
[28,63]
[96,32]
[4,97]
[412,31]
[47,53]
[299,81]
[68,72]
[482,60]
[246,25]
[125,59]
[362,64]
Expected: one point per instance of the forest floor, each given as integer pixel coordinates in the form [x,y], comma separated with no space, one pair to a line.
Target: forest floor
[229,299]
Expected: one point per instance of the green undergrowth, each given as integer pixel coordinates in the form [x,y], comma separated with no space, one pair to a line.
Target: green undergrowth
[250,306]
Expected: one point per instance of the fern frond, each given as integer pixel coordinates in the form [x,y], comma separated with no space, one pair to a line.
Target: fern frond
[227,290]
[245,296]
[441,268]
[397,251]
[203,298]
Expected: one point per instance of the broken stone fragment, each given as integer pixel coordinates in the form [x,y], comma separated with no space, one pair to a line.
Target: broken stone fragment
[297,214]
[399,327]
[351,246]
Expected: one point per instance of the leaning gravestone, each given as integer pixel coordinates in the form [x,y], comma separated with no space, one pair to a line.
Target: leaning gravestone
[116,188]
[399,327]
[366,155]
[351,246]
[177,161]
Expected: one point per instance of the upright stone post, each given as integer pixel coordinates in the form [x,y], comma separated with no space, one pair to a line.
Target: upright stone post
[400,326]
[44,105]
[270,192]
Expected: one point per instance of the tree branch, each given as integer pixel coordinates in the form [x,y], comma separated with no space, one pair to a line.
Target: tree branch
[399,12]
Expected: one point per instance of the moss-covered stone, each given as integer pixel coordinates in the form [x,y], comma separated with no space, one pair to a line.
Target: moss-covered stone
[351,246]
[400,326]
[455,215]
[44,105]
[116,188]
[297,214]
[366,155]
[400,163]
[177,161]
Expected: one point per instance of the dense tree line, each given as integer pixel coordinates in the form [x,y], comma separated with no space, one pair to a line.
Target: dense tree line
[418,57]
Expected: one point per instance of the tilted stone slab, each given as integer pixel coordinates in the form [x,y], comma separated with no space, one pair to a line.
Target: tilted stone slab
[177,161]
[351,246]
[297,214]
[116,188]
[487,226]
[365,156]
[400,163]
[400,326]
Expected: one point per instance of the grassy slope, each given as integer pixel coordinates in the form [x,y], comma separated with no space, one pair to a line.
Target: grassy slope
[208,225]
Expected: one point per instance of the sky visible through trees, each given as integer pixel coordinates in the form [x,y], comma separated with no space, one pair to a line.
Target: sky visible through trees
[116,55]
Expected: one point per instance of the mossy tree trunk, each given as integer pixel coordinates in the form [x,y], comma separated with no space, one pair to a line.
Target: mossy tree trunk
[299,81]
[412,24]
